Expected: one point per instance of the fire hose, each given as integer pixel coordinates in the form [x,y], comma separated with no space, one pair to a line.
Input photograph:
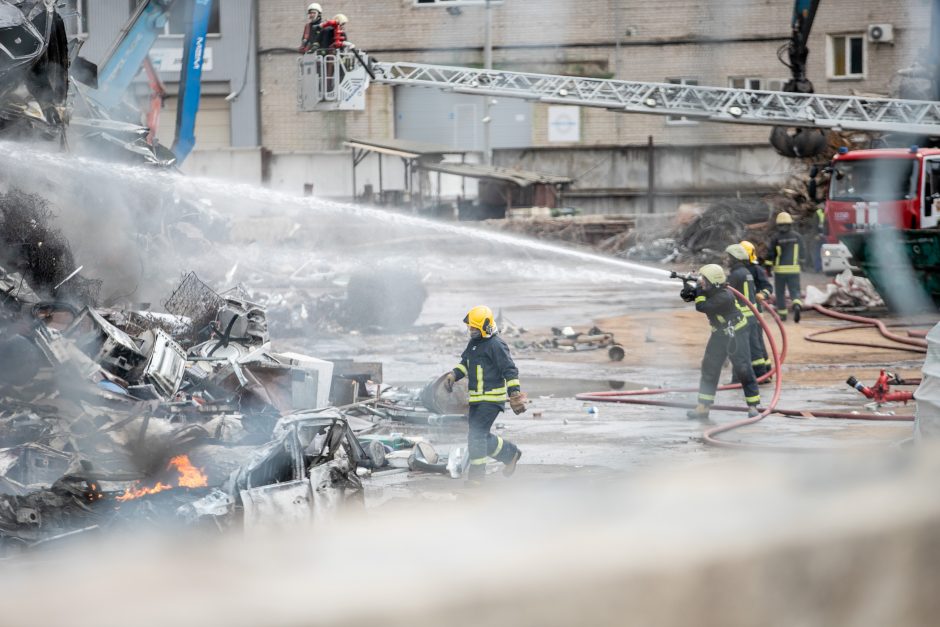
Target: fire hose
[881,326]
[814,337]
[709,436]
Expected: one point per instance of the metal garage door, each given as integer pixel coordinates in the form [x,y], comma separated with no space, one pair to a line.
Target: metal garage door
[213,123]
[454,120]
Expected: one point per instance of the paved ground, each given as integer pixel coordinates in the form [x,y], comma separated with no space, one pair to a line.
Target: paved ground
[664,340]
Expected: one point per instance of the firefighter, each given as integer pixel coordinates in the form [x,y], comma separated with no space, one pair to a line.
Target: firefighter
[764,291]
[311,38]
[333,33]
[728,339]
[786,251]
[741,279]
[492,379]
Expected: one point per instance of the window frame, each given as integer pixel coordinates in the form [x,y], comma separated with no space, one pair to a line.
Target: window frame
[747,80]
[167,34]
[420,4]
[681,120]
[847,38]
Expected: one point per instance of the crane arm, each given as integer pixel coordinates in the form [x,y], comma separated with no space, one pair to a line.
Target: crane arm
[717,104]
[124,60]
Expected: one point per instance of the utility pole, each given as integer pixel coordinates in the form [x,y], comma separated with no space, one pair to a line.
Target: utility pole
[487,64]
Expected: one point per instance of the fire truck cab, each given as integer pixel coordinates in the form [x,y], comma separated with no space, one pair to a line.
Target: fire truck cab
[880,188]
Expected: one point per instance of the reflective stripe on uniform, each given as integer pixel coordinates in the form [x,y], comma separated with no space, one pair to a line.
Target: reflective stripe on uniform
[760,362]
[461,368]
[700,299]
[740,325]
[491,398]
[512,383]
[797,301]
[752,400]
[788,269]
[499,447]
[478,461]
[706,397]
[479,380]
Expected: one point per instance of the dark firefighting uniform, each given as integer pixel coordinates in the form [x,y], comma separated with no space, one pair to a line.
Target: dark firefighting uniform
[729,339]
[764,288]
[741,279]
[786,250]
[491,377]
[311,38]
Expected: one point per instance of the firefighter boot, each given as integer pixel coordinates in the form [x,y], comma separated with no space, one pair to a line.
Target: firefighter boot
[699,413]
[797,311]
[752,411]
[510,466]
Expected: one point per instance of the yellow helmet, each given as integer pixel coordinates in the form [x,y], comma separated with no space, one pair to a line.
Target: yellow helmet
[481,318]
[713,273]
[784,218]
[751,250]
[737,251]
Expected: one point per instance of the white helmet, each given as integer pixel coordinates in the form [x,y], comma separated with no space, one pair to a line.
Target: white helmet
[315,7]
[340,19]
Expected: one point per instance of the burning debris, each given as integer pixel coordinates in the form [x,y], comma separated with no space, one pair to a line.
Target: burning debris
[111,415]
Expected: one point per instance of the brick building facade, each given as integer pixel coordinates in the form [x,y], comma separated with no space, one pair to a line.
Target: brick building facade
[717,42]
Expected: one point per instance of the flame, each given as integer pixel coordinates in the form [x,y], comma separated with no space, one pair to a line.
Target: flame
[188,477]
[135,493]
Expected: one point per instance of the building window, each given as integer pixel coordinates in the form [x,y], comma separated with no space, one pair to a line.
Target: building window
[745,83]
[846,56]
[678,120]
[454,3]
[75,15]
[180,18]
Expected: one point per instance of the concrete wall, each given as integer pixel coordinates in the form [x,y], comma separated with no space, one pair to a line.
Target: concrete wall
[615,179]
[241,165]
[708,41]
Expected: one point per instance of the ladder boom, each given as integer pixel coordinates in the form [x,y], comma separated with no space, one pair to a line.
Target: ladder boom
[717,104]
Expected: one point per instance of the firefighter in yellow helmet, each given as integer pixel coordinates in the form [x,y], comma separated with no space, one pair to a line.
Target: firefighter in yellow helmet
[492,379]
[728,339]
[786,251]
[759,357]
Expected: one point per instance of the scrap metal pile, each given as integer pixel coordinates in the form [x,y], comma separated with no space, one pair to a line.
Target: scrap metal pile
[110,416]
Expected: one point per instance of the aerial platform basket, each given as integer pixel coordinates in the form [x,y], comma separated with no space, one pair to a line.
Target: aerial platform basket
[333,82]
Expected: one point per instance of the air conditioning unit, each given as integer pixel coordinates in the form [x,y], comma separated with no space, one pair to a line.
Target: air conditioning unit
[880,33]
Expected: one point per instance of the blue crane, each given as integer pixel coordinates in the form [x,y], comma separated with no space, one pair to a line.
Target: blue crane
[126,57]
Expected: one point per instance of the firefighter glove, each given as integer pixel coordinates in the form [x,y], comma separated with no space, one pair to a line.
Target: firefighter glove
[517,402]
[688,293]
[449,380]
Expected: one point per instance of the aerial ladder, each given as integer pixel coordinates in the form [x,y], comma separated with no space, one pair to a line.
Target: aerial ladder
[715,104]
[131,51]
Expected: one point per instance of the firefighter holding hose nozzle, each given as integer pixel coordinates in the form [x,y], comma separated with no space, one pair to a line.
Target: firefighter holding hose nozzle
[729,338]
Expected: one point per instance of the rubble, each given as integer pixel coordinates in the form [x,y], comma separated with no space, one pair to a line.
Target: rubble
[845,291]
[189,417]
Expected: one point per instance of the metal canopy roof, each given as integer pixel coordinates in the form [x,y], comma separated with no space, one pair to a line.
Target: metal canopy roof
[402,148]
[522,178]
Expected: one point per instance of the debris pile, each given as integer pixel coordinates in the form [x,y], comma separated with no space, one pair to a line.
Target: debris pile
[585,230]
[179,416]
[845,291]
